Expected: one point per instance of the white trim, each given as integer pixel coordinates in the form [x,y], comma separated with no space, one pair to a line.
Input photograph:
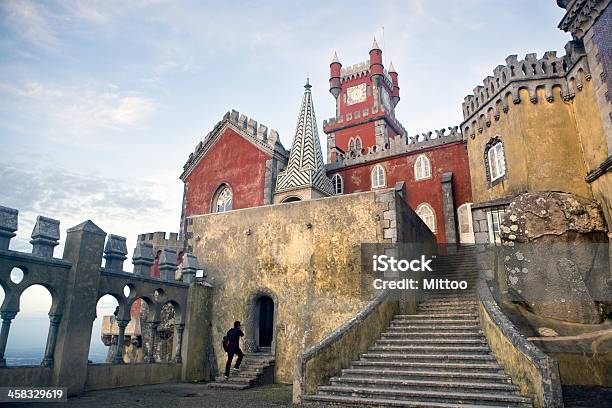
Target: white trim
[378,176]
[422,162]
[431,214]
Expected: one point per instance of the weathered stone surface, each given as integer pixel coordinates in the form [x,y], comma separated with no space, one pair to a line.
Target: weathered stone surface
[555,255]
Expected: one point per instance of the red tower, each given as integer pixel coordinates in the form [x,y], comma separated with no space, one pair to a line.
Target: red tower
[366,95]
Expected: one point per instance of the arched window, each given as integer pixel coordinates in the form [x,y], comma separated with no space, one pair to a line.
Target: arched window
[223,199]
[466,230]
[351,144]
[358,144]
[495,160]
[338,184]
[378,176]
[426,213]
[422,168]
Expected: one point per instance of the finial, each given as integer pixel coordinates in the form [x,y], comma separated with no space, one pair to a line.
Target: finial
[375,45]
[335,58]
[307,86]
[391,67]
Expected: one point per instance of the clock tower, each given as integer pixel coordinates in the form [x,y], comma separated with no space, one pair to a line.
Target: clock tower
[366,95]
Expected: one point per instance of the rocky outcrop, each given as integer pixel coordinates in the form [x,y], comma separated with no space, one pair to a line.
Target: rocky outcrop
[556,255]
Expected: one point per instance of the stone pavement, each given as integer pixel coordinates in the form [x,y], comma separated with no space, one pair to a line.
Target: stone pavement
[187,395]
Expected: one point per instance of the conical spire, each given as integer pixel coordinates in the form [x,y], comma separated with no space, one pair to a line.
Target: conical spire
[335,58]
[391,67]
[375,45]
[305,168]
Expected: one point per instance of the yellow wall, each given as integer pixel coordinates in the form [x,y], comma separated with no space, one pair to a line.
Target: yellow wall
[548,146]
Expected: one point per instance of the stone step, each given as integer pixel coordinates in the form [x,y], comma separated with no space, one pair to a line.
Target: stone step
[428,384]
[380,402]
[438,341]
[459,315]
[474,334]
[387,363]
[405,328]
[423,374]
[228,385]
[441,357]
[425,395]
[428,349]
[433,321]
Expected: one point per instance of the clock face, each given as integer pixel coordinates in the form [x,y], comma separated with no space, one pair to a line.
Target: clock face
[356,94]
[386,100]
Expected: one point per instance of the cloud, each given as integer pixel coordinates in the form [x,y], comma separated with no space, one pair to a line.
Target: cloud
[30,21]
[83,109]
[124,207]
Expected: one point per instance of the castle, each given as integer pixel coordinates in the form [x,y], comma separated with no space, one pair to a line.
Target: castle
[280,235]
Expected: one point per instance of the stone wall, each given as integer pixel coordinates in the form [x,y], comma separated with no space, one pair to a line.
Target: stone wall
[304,255]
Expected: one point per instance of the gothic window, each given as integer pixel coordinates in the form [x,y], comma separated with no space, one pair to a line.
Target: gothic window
[358,144]
[338,184]
[422,168]
[223,199]
[495,161]
[378,176]
[351,145]
[466,230]
[426,213]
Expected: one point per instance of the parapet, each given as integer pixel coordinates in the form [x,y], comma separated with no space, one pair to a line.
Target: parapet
[398,145]
[162,240]
[248,127]
[360,70]
[529,73]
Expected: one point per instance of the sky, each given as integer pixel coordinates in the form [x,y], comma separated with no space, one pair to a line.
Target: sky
[101,102]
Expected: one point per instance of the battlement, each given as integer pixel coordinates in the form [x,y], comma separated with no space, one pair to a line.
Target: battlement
[360,70]
[162,240]
[398,145]
[529,73]
[258,133]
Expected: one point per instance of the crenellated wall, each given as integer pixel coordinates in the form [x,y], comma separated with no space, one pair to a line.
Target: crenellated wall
[531,105]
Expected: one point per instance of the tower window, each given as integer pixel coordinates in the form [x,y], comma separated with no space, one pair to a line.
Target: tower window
[426,213]
[378,176]
[338,184]
[223,199]
[495,161]
[422,168]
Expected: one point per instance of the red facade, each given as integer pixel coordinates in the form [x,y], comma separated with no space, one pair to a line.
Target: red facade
[445,158]
[231,160]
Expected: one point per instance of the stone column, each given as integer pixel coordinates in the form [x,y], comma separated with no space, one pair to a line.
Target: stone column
[83,249]
[178,336]
[45,236]
[167,264]
[448,206]
[150,358]
[8,226]
[143,259]
[7,317]
[118,357]
[197,349]
[115,253]
[54,321]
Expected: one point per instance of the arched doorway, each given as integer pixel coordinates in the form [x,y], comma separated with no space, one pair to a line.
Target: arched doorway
[265,322]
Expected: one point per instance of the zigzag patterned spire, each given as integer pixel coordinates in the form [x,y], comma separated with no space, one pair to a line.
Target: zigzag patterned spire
[305,168]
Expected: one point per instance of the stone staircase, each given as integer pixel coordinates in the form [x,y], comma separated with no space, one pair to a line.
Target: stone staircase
[256,369]
[437,357]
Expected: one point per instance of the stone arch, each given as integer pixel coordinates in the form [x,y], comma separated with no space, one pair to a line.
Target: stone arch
[291,199]
[252,313]
[221,189]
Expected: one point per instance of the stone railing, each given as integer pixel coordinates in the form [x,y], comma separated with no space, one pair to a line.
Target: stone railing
[397,145]
[76,283]
[336,351]
[534,372]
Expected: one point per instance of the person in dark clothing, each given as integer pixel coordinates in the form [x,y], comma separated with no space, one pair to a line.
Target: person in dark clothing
[234,335]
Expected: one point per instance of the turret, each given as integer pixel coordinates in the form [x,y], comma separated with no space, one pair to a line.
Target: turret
[376,65]
[334,76]
[395,94]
